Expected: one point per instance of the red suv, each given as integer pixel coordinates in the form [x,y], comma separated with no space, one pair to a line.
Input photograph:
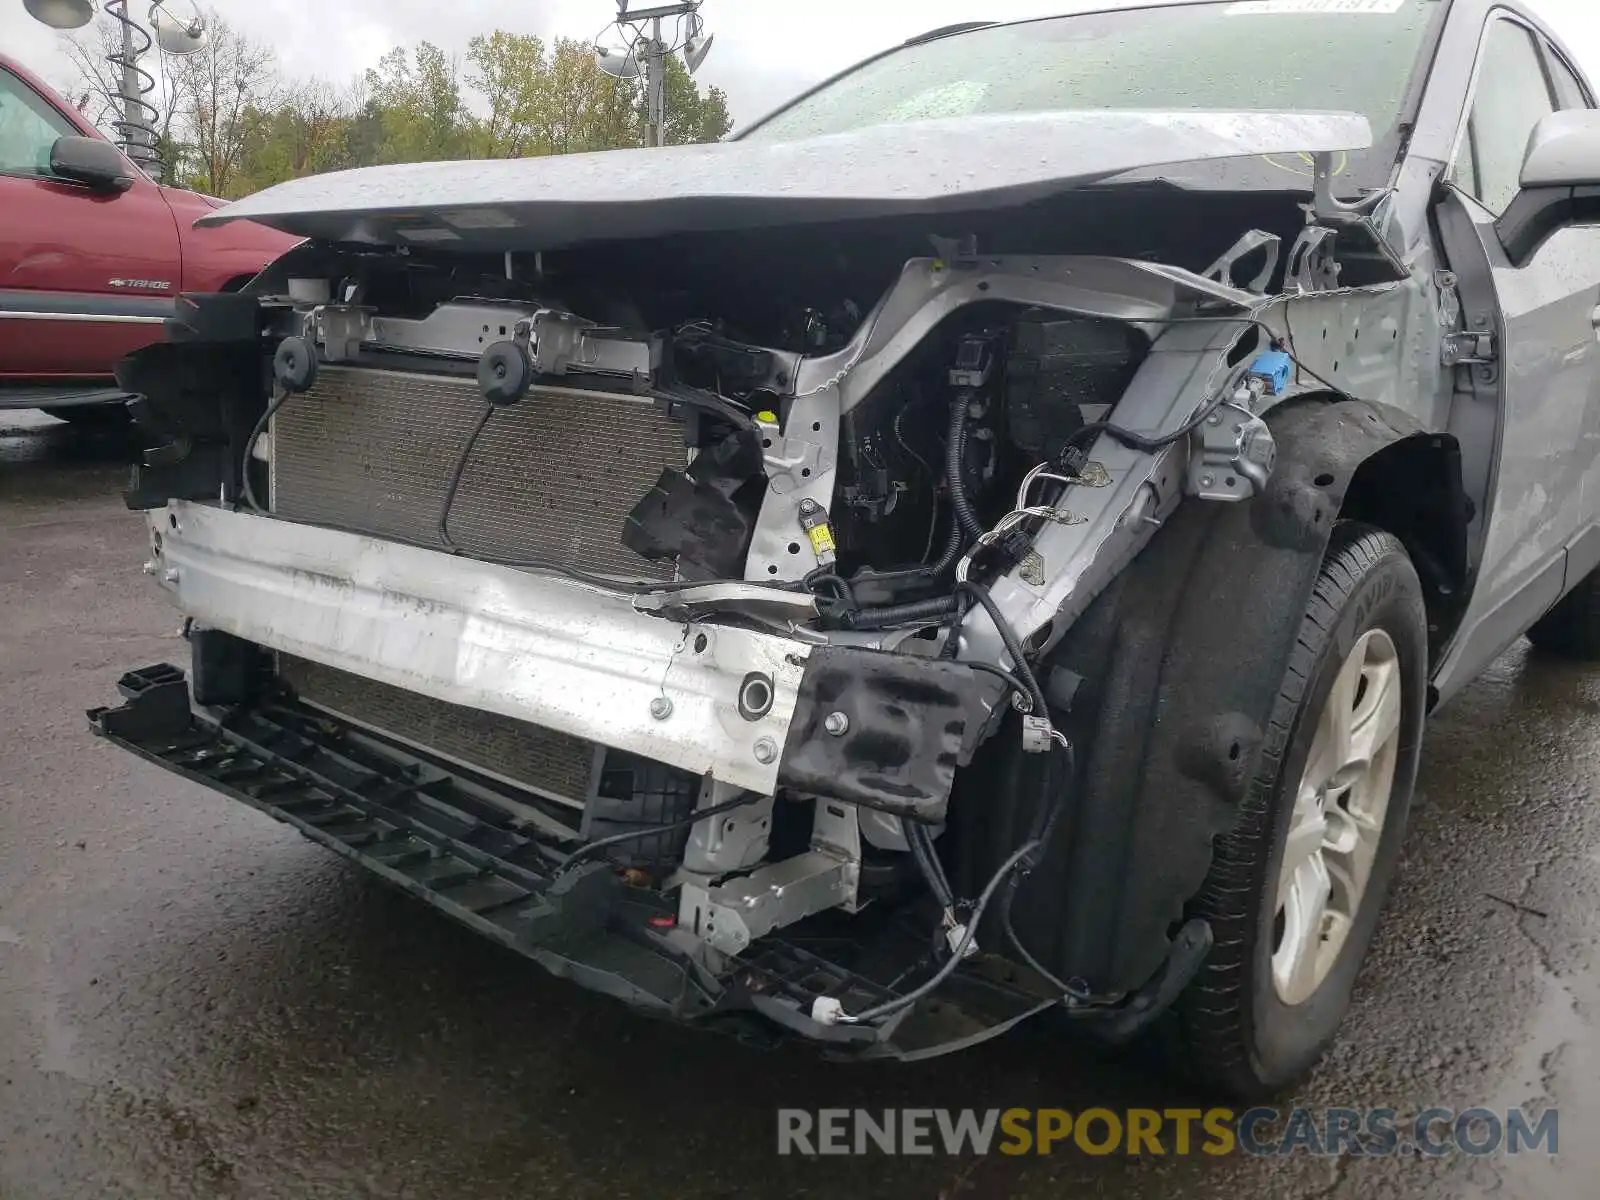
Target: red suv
[92,253]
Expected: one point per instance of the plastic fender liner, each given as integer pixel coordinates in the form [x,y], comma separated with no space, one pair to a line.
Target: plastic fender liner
[900,726]
[1171,676]
[195,404]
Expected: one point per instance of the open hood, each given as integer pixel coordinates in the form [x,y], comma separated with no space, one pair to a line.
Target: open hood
[962,163]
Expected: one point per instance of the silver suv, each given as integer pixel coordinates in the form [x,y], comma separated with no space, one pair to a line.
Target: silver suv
[982,541]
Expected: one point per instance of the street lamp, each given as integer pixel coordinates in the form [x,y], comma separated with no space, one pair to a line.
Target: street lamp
[649,55]
[61,14]
[136,128]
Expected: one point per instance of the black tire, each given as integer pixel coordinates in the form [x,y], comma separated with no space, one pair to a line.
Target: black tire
[1572,628]
[1233,1030]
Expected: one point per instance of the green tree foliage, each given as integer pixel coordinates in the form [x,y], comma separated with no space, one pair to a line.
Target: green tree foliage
[232,124]
[416,101]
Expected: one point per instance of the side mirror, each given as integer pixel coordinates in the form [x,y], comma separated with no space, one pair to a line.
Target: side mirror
[91,162]
[1560,183]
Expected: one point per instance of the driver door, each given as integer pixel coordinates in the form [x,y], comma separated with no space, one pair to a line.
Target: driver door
[86,277]
[1541,534]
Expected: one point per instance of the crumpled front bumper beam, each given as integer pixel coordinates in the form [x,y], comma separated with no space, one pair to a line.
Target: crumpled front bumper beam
[576,659]
[884,730]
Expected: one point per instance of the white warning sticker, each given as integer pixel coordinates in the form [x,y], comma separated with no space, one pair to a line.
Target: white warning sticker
[1244,7]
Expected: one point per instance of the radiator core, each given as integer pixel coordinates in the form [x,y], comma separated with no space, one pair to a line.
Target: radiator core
[551,477]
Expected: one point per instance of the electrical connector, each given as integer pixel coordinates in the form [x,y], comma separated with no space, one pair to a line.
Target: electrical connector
[975,361]
[819,531]
[1037,735]
[1073,460]
[1275,368]
[825,1010]
[1007,550]
[955,935]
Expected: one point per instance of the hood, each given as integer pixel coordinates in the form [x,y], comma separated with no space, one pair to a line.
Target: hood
[923,167]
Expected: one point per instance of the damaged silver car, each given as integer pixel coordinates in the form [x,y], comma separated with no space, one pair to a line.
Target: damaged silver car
[980,543]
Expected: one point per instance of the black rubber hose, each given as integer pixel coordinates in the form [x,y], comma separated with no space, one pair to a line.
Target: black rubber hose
[920,843]
[256,431]
[591,849]
[1008,635]
[455,480]
[955,465]
[889,1007]
[954,545]
[899,614]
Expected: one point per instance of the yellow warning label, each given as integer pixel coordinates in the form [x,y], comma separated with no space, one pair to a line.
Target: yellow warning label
[821,540]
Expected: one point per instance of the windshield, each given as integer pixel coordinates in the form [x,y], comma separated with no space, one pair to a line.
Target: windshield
[1260,55]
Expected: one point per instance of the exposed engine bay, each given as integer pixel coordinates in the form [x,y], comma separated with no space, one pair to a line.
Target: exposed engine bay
[690,597]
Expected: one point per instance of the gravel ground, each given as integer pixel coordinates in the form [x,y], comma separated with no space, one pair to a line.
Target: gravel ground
[196,1002]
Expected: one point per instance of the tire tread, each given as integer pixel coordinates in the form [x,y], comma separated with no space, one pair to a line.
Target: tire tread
[1211,1028]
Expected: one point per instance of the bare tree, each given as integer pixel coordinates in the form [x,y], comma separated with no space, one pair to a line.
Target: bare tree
[97,88]
[202,100]
[221,86]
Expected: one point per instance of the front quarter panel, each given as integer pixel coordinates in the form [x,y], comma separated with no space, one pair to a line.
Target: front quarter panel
[215,256]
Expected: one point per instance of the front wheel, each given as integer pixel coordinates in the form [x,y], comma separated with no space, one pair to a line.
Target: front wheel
[1296,888]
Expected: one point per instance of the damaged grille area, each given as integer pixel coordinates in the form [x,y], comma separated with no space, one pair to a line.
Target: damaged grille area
[517,751]
[551,477]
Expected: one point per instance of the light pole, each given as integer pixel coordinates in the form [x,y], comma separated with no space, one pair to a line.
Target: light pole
[650,55]
[136,124]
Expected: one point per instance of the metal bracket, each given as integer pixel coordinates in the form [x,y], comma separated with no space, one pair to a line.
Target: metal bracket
[1311,266]
[1329,209]
[1256,239]
[735,841]
[560,343]
[341,328]
[731,917]
[1235,452]
[1474,347]
[1093,475]
[1448,287]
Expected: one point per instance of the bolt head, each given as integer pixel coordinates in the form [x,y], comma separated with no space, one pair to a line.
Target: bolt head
[1214,419]
[1207,480]
[766,751]
[661,708]
[172,575]
[150,566]
[837,724]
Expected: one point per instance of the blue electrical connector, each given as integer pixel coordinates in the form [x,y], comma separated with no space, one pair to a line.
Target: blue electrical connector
[1275,367]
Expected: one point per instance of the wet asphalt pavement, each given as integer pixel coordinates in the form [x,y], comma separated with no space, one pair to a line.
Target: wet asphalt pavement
[195,1002]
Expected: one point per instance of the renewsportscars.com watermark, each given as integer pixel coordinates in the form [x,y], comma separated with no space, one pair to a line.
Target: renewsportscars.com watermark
[1375,1132]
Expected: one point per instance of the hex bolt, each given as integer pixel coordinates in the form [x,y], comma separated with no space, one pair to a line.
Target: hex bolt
[837,724]
[172,575]
[661,708]
[766,751]
[150,566]
[1207,480]
[1214,419]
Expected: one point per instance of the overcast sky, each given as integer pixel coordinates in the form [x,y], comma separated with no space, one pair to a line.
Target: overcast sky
[765,49]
